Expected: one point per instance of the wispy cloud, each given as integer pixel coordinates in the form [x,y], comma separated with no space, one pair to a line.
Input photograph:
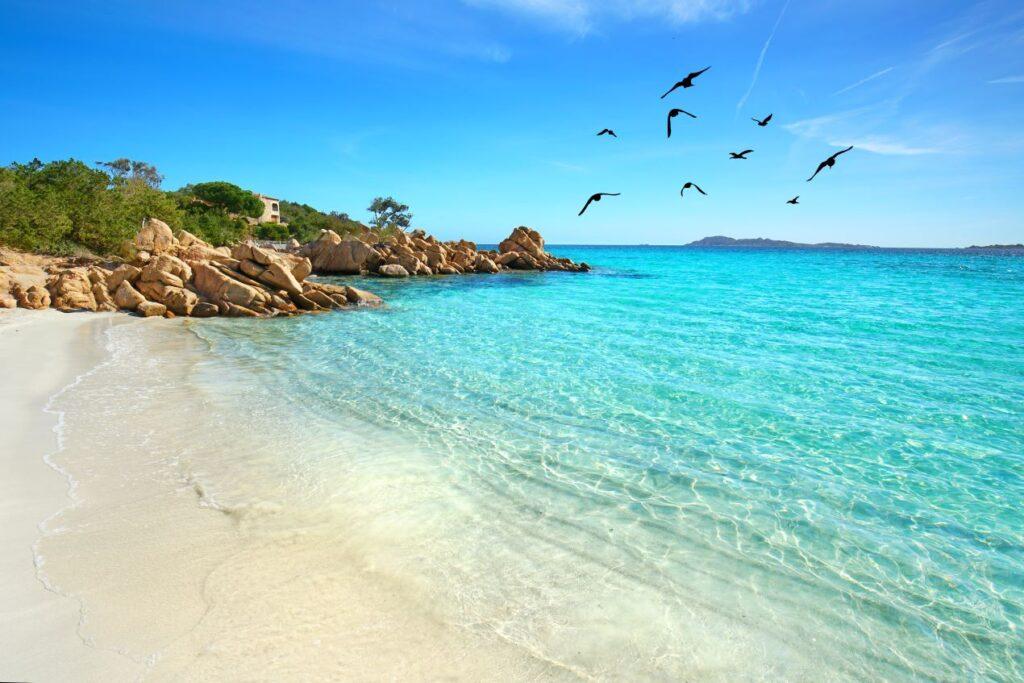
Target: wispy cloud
[856,127]
[1008,79]
[760,59]
[877,74]
[883,145]
[581,16]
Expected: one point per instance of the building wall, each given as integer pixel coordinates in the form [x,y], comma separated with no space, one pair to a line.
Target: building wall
[271,210]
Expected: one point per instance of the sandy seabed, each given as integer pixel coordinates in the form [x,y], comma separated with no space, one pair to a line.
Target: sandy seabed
[117,564]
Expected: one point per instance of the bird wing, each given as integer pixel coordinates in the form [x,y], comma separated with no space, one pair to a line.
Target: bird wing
[697,73]
[700,190]
[768,118]
[755,120]
[671,89]
[604,131]
[609,194]
[844,151]
[668,123]
[818,170]
[692,116]
[586,205]
[612,133]
[746,151]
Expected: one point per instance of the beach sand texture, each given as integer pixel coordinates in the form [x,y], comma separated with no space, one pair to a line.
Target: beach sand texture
[140,575]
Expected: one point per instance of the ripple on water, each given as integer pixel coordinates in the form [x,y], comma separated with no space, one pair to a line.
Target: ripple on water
[688,463]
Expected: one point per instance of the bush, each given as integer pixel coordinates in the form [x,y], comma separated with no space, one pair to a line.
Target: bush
[273,231]
[65,206]
[214,225]
[305,222]
[227,196]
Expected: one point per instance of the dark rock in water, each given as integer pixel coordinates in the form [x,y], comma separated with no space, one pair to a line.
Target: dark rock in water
[204,309]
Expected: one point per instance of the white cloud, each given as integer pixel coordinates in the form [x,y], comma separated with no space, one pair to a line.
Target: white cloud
[1008,79]
[580,16]
[856,127]
[882,145]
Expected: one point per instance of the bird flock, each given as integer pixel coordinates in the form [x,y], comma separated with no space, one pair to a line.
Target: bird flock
[687,82]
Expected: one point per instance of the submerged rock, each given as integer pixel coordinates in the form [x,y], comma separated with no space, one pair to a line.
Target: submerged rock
[393,270]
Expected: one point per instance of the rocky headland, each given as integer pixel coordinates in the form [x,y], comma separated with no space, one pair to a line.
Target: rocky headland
[182,275]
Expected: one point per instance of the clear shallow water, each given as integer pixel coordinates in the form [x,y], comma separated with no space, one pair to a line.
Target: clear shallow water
[688,463]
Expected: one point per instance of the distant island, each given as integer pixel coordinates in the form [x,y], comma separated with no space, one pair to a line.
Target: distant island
[723,241]
[997,246]
[765,243]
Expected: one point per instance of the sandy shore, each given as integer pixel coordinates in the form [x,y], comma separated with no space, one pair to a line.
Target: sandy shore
[116,566]
[43,352]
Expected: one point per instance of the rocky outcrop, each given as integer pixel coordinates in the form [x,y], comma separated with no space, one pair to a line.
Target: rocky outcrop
[178,276]
[393,270]
[332,254]
[25,285]
[155,237]
[418,253]
[71,290]
[524,250]
[184,276]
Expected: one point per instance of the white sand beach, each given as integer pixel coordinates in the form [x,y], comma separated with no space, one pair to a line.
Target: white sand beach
[141,575]
[42,353]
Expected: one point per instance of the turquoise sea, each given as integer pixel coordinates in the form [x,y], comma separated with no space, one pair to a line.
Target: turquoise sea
[686,464]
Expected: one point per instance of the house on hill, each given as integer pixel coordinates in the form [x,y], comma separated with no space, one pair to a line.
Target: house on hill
[271,209]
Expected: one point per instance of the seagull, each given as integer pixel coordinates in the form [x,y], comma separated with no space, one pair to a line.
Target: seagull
[794,200]
[608,131]
[695,186]
[763,122]
[597,198]
[674,113]
[830,162]
[740,155]
[686,82]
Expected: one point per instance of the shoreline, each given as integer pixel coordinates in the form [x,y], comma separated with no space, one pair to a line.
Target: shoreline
[202,588]
[53,352]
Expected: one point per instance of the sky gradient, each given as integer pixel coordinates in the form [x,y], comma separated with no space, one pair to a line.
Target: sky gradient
[482,114]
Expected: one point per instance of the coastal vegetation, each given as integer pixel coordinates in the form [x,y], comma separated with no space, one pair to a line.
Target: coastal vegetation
[68,207]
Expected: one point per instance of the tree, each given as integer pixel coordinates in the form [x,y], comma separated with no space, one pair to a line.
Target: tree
[388,213]
[66,207]
[127,169]
[227,196]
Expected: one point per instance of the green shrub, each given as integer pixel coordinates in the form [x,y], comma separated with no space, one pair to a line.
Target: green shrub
[65,206]
[227,196]
[272,231]
[214,225]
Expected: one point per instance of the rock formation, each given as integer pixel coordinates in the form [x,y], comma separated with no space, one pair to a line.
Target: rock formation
[417,253]
[178,276]
[184,276]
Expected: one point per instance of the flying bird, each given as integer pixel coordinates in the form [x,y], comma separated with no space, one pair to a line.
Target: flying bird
[763,122]
[830,162]
[687,185]
[740,155]
[686,82]
[794,200]
[597,198]
[674,113]
[608,131]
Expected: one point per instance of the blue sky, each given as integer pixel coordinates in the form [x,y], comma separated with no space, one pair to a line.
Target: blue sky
[481,114]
